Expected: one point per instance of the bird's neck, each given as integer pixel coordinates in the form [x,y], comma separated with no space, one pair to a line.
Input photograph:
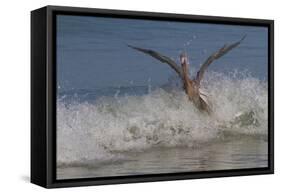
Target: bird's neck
[185,78]
[185,69]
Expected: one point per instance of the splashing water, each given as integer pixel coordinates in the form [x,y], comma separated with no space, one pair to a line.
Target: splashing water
[100,131]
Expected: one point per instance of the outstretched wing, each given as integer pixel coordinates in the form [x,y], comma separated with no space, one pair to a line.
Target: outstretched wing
[225,49]
[161,58]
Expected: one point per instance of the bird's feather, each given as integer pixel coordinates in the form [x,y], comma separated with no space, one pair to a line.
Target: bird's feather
[160,57]
[222,51]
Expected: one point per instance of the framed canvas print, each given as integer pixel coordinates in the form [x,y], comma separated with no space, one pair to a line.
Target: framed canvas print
[125,96]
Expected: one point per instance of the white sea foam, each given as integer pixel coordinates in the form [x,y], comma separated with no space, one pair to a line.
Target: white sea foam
[100,131]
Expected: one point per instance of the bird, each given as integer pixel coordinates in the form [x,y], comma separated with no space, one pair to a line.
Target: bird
[191,86]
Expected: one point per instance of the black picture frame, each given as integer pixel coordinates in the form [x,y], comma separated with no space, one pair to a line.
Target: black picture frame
[43,96]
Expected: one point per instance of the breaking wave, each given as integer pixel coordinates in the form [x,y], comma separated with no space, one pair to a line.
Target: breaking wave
[94,132]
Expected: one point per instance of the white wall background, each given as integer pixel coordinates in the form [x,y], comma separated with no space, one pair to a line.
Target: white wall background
[15,94]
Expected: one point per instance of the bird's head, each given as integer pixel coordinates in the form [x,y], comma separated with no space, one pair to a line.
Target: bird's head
[184,58]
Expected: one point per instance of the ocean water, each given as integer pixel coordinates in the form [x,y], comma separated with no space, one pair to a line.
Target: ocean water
[120,112]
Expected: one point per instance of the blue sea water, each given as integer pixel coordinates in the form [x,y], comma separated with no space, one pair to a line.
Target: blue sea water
[121,112]
[92,52]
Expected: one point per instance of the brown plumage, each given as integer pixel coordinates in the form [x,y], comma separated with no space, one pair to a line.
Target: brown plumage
[191,86]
